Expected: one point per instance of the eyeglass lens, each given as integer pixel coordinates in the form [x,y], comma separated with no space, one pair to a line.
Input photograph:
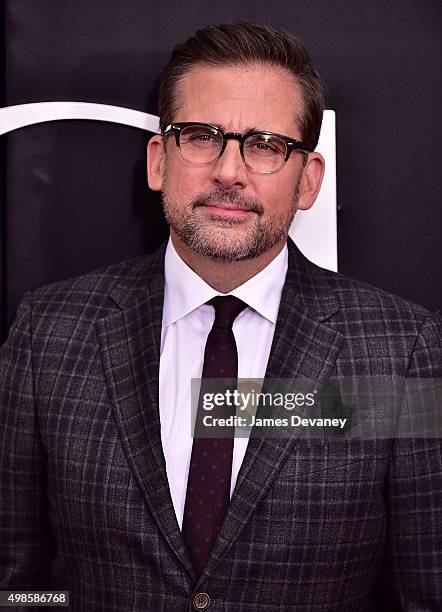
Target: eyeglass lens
[202,144]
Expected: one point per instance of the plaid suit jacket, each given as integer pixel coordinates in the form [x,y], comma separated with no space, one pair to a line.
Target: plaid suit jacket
[343,525]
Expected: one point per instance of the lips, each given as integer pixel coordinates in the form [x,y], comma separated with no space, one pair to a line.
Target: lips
[221,209]
[228,204]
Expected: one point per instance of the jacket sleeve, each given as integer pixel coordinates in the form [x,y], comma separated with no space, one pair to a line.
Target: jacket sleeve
[26,546]
[411,578]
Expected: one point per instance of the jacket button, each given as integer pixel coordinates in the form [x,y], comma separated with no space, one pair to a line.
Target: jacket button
[201,601]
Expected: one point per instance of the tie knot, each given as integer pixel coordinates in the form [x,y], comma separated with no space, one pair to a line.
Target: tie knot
[227,308]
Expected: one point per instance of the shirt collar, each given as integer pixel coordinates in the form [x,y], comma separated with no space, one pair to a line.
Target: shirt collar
[184,290]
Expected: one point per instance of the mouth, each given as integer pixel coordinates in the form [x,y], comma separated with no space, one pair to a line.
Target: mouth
[224,210]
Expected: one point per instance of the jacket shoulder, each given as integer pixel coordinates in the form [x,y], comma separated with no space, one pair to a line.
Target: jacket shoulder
[353,295]
[390,332]
[331,291]
[89,296]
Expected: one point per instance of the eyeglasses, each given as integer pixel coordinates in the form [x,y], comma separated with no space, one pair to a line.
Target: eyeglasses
[261,152]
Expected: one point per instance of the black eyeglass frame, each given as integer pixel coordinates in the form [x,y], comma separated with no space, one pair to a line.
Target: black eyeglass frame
[290,143]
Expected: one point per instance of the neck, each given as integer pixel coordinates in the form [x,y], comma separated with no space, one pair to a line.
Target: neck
[224,276]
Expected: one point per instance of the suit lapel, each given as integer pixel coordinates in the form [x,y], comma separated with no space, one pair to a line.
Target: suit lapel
[303,347]
[130,347]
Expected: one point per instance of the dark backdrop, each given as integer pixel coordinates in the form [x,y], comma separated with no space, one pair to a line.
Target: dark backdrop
[73,193]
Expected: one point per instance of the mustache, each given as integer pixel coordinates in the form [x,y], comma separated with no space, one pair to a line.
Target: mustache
[235,199]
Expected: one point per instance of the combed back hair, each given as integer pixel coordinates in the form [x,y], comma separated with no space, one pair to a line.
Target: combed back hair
[246,44]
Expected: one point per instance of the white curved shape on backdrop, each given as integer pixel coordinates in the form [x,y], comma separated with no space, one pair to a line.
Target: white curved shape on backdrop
[23,115]
[314,231]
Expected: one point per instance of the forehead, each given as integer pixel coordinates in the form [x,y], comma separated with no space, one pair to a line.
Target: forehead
[238,98]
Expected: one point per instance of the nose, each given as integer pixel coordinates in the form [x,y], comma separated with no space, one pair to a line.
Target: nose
[230,171]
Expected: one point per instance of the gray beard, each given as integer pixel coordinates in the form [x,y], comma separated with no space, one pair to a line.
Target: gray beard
[216,241]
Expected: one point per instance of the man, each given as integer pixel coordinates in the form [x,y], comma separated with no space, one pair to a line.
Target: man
[104,491]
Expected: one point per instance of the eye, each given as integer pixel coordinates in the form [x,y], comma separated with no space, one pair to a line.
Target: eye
[203,138]
[264,146]
[200,137]
[261,145]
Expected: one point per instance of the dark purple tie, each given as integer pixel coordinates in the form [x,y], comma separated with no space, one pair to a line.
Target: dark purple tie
[208,484]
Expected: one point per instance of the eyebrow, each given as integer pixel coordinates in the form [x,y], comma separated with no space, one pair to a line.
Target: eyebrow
[223,128]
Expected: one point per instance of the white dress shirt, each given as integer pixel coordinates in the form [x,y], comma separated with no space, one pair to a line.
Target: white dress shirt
[187,320]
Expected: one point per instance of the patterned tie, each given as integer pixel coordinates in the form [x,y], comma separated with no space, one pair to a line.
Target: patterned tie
[208,484]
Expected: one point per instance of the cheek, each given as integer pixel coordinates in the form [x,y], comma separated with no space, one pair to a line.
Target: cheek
[183,182]
[277,199]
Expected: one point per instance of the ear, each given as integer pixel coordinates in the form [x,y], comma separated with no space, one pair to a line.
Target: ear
[155,163]
[312,175]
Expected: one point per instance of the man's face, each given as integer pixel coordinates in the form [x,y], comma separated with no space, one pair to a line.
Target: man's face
[222,210]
